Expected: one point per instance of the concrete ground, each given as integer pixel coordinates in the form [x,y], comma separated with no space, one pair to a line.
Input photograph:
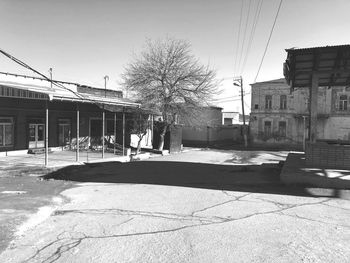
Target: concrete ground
[15,162]
[198,206]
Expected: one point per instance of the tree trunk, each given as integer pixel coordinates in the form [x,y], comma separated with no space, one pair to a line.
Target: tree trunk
[138,150]
[161,139]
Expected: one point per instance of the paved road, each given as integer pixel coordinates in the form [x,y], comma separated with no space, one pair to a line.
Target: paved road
[168,210]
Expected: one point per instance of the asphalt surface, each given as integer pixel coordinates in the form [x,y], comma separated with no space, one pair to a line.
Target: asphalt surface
[199,206]
[22,193]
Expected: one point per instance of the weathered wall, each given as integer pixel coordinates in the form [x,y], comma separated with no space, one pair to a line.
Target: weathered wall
[204,116]
[206,135]
[333,123]
[337,128]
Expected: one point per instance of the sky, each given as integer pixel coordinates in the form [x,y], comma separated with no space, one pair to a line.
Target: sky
[84,40]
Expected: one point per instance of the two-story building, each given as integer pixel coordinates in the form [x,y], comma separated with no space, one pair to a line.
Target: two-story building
[281,117]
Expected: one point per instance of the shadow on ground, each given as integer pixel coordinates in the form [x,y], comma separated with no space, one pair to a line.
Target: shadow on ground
[248,178]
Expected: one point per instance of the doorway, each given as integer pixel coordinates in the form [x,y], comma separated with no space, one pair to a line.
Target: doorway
[64,132]
[36,135]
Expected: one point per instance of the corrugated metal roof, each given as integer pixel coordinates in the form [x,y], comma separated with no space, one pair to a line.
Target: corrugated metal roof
[274,81]
[63,92]
[314,48]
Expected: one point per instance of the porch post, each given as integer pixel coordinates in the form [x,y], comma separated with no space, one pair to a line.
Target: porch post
[304,133]
[78,146]
[152,123]
[115,131]
[46,133]
[123,133]
[103,134]
[313,108]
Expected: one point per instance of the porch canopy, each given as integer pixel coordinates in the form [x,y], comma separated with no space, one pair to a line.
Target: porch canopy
[330,63]
[35,88]
[314,67]
[26,87]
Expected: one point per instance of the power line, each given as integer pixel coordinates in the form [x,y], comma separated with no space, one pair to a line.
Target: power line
[23,64]
[224,101]
[252,33]
[239,36]
[233,98]
[54,82]
[245,31]
[268,41]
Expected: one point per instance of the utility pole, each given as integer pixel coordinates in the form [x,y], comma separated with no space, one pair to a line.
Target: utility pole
[50,71]
[240,84]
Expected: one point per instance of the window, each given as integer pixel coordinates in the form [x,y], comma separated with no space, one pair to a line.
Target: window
[256,106]
[283,102]
[282,131]
[267,128]
[6,131]
[227,121]
[268,101]
[343,102]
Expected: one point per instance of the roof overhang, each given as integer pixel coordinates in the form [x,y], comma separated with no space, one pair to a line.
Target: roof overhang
[60,94]
[330,63]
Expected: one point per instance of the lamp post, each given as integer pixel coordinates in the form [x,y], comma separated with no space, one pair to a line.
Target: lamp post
[104,119]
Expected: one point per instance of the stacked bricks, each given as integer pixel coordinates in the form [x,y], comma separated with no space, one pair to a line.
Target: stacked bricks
[328,155]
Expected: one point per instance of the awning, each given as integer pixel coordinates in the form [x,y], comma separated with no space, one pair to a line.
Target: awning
[34,88]
[331,63]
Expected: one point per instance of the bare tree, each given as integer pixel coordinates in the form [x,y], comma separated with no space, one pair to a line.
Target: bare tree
[167,78]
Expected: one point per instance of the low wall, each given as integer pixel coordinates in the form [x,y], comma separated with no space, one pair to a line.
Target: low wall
[322,154]
[206,135]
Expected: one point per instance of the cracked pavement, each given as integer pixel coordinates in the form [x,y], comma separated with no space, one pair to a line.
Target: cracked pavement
[128,222]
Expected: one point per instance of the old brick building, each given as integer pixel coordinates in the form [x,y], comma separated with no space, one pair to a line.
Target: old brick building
[281,117]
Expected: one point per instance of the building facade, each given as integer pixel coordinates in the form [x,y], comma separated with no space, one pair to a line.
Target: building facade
[35,114]
[281,117]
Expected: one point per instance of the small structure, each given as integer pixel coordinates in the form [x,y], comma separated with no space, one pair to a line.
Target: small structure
[312,68]
[36,116]
[206,129]
[202,116]
[230,117]
[233,118]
